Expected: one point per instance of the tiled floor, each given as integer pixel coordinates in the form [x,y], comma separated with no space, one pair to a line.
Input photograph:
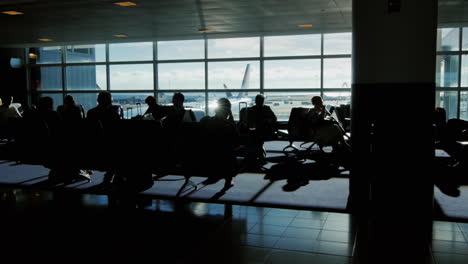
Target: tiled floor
[189,232]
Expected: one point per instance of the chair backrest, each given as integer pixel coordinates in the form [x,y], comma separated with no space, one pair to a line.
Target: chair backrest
[297,124]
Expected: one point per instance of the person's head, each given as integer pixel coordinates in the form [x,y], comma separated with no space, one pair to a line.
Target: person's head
[178,99]
[104,98]
[317,101]
[223,109]
[46,103]
[150,100]
[69,100]
[259,99]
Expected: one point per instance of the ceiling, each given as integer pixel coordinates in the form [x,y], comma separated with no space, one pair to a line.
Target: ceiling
[88,21]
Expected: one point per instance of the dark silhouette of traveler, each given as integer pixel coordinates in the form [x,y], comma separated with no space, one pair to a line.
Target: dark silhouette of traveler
[221,139]
[176,114]
[104,111]
[262,124]
[8,111]
[45,112]
[70,110]
[324,130]
[157,111]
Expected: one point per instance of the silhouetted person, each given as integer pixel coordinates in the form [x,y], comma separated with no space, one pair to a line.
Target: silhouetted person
[70,110]
[221,139]
[261,121]
[104,112]
[8,111]
[156,110]
[323,128]
[176,114]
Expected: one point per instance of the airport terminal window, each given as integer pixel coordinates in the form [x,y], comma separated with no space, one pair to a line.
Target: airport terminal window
[85,53]
[138,51]
[337,73]
[337,98]
[447,71]
[233,47]
[449,101]
[131,77]
[181,50]
[180,76]
[242,99]
[464,106]
[337,43]
[45,55]
[129,102]
[86,77]
[448,39]
[46,79]
[292,74]
[234,75]
[87,100]
[296,45]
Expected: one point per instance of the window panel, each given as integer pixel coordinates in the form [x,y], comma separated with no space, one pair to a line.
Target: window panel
[137,51]
[234,47]
[297,45]
[56,97]
[281,103]
[86,53]
[449,101]
[234,75]
[45,55]
[464,71]
[448,39]
[89,77]
[337,98]
[292,74]
[129,101]
[447,71]
[337,73]
[337,43]
[465,39]
[178,76]
[131,77]
[464,106]
[181,50]
[46,79]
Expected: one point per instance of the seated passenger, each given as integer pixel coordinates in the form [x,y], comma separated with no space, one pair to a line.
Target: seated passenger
[156,110]
[45,112]
[104,111]
[221,138]
[70,110]
[176,114]
[323,129]
[8,111]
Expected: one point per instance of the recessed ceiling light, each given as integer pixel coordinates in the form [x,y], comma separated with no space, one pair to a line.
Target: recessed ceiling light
[32,56]
[12,13]
[305,26]
[45,39]
[125,4]
[205,30]
[120,35]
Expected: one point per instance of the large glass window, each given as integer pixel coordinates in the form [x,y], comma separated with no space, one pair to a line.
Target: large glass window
[85,53]
[46,78]
[337,98]
[292,74]
[87,100]
[87,77]
[297,45]
[234,75]
[337,73]
[449,101]
[464,105]
[447,71]
[132,103]
[180,76]
[45,55]
[181,50]
[448,39]
[131,77]
[234,47]
[337,43]
[138,51]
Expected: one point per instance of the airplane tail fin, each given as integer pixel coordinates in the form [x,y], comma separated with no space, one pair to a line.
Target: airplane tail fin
[245,82]
[228,94]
